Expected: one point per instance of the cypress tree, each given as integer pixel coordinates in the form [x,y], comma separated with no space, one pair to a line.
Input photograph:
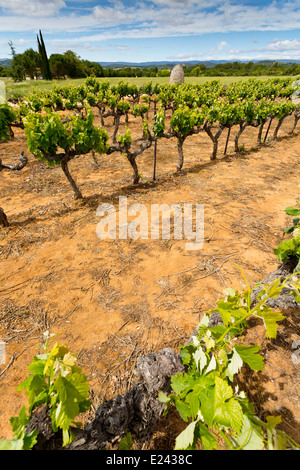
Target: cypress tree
[44,59]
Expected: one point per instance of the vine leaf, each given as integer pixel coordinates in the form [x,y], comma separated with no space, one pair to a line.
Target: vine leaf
[235,364]
[186,438]
[270,319]
[228,411]
[249,355]
[200,358]
[251,436]
[209,442]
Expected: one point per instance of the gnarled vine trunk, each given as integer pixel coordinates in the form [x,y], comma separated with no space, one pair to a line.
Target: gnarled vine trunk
[259,135]
[17,167]
[65,169]
[296,119]
[3,218]
[180,142]
[238,135]
[136,176]
[275,134]
[215,140]
[138,411]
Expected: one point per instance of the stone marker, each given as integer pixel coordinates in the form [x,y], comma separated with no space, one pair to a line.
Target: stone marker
[177,75]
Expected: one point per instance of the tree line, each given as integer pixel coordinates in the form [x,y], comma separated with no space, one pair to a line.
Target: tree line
[68,65]
[239,69]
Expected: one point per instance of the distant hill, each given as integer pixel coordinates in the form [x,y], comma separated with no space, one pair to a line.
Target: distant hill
[207,63]
[159,65]
[5,62]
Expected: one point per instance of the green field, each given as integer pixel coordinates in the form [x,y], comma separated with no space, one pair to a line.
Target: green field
[22,89]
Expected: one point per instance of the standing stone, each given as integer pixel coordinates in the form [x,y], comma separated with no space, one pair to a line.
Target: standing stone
[177,75]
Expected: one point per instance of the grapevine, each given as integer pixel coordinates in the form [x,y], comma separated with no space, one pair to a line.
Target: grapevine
[75,136]
[189,109]
[56,383]
[205,396]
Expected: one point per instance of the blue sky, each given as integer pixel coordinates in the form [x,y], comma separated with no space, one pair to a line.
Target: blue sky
[157,30]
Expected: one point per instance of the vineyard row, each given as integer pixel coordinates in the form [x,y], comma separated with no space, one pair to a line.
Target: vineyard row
[59,125]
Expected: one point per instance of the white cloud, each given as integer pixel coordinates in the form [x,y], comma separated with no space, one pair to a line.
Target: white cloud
[280,49]
[158,18]
[221,45]
[211,54]
[86,28]
[36,8]
[63,46]
[183,5]
[285,45]
[123,48]
[111,16]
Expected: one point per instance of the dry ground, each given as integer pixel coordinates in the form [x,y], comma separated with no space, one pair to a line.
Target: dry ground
[112,300]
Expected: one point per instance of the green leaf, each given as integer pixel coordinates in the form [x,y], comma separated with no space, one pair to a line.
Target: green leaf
[185,356]
[12,444]
[185,439]
[34,385]
[249,356]
[68,407]
[292,211]
[24,442]
[200,358]
[205,390]
[37,366]
[275,288]
[270,319]
[250,436]
[18,423]
[288,248]
[272,422]
[229,414]
[181,383]
[223,391]
[209,442]
[235,364]
[162,397]
[79,382]
[68,436]
[30,440]
[182,408]
[228,411]
[66,412]
[290,229]
[225,310]
[192,400]
[126,442]
[37,387]
[212,365]
[217,331]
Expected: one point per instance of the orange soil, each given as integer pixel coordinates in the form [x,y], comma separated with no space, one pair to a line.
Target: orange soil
[110,300]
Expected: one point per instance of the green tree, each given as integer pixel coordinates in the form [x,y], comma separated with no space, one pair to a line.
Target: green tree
[17,66]
[93,69]
[31,63]
[58,65]
[45,66]
[5,71]
[163,73]
[75,67]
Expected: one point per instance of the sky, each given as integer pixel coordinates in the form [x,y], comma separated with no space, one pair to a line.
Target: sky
[154,30]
